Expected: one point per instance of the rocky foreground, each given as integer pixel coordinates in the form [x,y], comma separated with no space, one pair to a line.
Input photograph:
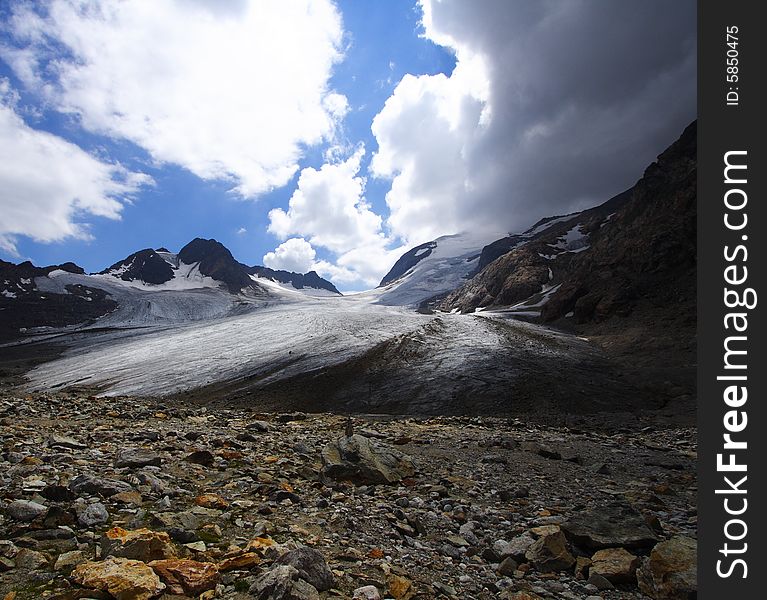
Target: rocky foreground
[134,499]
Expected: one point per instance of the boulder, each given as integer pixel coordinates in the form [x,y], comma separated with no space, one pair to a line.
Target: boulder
[184,576]
[282,583]
[122,578]
[550,553]
[670,573]
[92,514]
[136,458]
[91,484]
[311,566]
[611,526]
[364,461]
[617,565]
[139,544]
[25,510]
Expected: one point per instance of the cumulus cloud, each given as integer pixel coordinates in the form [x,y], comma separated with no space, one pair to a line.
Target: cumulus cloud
[295,254]
[551,107]
[329,208]
[49,184]
[228,90]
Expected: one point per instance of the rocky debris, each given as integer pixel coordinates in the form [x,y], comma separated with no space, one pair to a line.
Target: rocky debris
[364,461]
[617,565]
[670,573]
[481,518]
[122,578]
[63,441]
[614,525]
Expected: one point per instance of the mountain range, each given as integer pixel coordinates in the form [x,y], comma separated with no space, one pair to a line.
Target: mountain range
[619,277]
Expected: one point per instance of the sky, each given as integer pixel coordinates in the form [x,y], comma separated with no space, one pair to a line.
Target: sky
[321,135]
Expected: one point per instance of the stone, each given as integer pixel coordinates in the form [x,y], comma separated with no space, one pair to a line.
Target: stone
[241,562]
[258,426]
[92,514]
[30,560]
[582,565]
[139,544]
[67,560]
[25,510]
[201,457]
[211,501]
[122,578]
[550,553]
[63,441]
[184,576]
[617,565]
[368,592]
[524,595]
[310,565]
[518,546]
[599,582]
[91,484]
[282,583]
[610,526]
[508,566]
[136,458]
[400,588]
[670,572]
[364,461]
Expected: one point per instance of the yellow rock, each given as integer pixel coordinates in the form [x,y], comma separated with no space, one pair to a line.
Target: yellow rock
[123,578]
[184,576]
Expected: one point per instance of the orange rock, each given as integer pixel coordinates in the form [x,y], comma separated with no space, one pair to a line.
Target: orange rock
[122,578]
[139,544]
[243,562]
[184,576]
[376,553]
[211,501]
[400,588]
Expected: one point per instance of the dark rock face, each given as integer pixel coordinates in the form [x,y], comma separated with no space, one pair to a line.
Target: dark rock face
[24,306]
[297,280]
[145,265]
[311,567]
[217,262]
[407,261]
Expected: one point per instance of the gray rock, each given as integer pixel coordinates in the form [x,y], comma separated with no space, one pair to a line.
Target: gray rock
[613,525]
[91,484]
[25,510]
[258,426]
[282,583]
[310,565]
[136,458]
[30,560]
[92,514]
[364,461]
[368,592]
[62,441]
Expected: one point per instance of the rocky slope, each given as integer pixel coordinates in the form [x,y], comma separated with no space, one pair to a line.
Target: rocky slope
[299,281]
[133,498]
[623,273]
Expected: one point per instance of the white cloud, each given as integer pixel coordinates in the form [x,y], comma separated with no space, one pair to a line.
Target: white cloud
[329,208]
[296,254]
[229,90]
[48,184]
[551,107]
[242,231]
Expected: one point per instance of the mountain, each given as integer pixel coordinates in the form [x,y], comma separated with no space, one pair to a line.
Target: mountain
[309,281]
[150,286]
[430,270]
[23,305]
[623,273]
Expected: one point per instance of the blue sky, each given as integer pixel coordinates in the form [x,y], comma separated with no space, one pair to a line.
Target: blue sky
[323,135]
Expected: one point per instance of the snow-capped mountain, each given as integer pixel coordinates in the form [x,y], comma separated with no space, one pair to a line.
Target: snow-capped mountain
[431,270]
[201,281]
